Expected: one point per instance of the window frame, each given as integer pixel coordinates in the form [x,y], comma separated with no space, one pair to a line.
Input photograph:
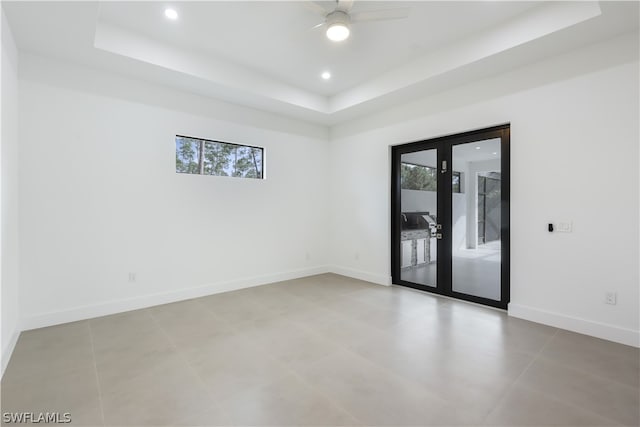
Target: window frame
[201,161]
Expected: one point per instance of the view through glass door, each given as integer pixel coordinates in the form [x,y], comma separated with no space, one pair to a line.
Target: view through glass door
[476,245]
[450,215]
[419,217]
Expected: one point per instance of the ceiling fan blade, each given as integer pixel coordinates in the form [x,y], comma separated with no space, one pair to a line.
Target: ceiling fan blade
[345,5]
[315,7]
[381,14]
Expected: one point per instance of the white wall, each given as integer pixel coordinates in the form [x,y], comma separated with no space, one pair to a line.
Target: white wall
[9,201]
[99,198]
[419,201]
[574,156]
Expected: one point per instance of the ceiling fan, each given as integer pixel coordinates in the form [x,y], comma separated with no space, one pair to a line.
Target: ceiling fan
[338,21]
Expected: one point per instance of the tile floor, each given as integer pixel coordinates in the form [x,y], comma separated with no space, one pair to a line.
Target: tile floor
[324,350]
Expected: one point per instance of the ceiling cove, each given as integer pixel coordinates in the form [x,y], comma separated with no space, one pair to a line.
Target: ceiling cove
[268,55]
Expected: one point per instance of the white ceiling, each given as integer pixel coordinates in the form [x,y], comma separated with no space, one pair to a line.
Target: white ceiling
[295,53]
[265,54]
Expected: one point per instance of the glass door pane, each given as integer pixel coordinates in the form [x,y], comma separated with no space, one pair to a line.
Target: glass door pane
[419,183]
[476,246]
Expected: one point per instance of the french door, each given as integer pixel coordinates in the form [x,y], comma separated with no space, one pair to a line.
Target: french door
[450,215]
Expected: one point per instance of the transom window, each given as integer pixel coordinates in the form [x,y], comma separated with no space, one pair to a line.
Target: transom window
[205,157]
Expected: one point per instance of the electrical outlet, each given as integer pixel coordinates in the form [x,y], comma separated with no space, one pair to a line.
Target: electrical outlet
[611,298]
[307,256]
[132,277]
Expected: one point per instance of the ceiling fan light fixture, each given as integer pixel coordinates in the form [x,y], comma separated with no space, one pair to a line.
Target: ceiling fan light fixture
[338,32]
[338,26]
[171,14]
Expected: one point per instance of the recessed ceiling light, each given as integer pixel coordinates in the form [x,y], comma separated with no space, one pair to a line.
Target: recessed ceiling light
[326,75]
[477,148]
[171,14]
[494,153]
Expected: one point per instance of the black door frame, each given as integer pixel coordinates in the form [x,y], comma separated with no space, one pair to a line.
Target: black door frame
[444,145]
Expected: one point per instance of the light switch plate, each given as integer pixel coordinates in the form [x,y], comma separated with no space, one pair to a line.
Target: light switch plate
[565,227]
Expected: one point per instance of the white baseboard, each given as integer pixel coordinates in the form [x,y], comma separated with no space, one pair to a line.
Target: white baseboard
[119,306]
[8,351]
[583,326]
[575,324]
[361,275]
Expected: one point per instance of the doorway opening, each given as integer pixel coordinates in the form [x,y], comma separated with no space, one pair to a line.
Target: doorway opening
[450,215]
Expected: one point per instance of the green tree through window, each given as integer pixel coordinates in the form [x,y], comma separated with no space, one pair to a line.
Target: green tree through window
[423,178]
[187,155]
[415,177]
[204,157]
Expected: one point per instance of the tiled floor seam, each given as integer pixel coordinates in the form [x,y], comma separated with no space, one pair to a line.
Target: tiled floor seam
[95,368]
[573,405]
[591,374]
[586,409]
[507,391]
[326,396]
[383,368]
[184,359]
[377,365]
[563,402]
[398,376]
[289,371]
